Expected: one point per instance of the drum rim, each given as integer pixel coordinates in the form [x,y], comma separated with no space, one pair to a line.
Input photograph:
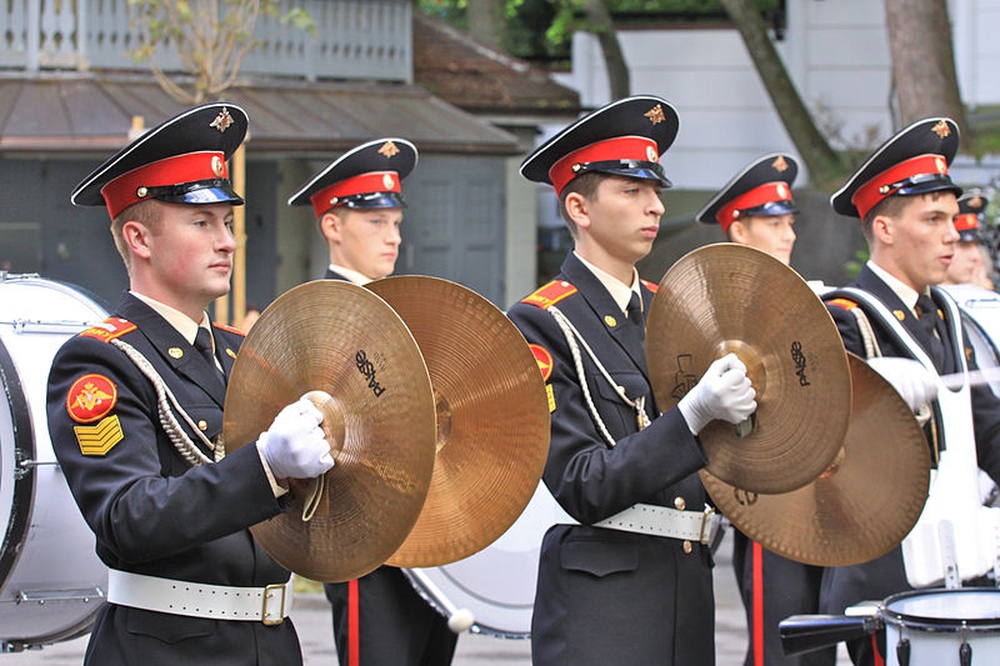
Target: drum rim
[24,443]
[938,624]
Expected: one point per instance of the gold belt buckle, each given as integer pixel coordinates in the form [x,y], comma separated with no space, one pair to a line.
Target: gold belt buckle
[707,524]
[268,594]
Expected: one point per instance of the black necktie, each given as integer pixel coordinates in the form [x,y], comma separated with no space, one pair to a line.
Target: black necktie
[927,315]
[203,343]
[635,315]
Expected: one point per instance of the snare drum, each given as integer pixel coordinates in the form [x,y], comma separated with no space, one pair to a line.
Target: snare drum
[51,580]
[935,627]
[497,584]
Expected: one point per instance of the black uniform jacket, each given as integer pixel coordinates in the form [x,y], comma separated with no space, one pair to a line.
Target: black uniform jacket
[153,512]
[605,596]
[875,580]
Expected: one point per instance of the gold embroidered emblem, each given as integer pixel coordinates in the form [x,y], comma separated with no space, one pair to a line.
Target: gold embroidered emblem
[176,352]
[941,129]
[98,439]
[656,115]
[223,121]
[388,149]
[780,164]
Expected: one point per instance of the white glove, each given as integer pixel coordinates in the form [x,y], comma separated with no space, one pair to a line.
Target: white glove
[724,392]
[912,381]
[295,446]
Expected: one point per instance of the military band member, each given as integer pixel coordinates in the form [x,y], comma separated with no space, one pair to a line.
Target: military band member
[607,595]
[971,263]
[907,204]
[358,202]
[756,209]
[135,414]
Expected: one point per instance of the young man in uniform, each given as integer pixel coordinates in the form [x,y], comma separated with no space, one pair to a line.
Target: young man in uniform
[358,201]
[616,592]
[907,203]
[135,414]
[756,208]
[970,263]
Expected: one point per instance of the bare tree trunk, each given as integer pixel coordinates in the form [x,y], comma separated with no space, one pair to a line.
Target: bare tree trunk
[599,23]
[825,165]
[486,23]
[923,60]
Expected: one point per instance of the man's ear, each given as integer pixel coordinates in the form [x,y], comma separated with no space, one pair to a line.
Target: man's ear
[884,229]
[738,232]
[577,209]
[330,226]
[136,237]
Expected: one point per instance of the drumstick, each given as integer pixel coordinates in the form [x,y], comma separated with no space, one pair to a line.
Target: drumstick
[978,377]
[459,619]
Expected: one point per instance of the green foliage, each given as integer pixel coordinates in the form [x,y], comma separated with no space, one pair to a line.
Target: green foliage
[543,29]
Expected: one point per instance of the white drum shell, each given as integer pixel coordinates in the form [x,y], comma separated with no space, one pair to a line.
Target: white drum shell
[936,622]
[51,580]
[497,584]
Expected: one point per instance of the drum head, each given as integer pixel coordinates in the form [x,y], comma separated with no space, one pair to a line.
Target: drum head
[976,609]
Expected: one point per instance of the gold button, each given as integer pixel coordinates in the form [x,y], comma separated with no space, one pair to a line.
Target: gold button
[679,503]
[687,547]
[202,425]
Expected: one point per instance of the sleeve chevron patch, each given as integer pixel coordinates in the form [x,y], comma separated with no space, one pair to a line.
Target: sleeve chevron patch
[98,439]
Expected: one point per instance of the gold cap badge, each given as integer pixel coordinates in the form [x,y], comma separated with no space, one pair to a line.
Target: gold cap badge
[941,129]
[656,115]
[779,164]
[223,121]
[388,149]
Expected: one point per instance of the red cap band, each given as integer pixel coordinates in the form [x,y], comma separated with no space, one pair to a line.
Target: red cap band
[966,222]
[877,188]
[366,183]
[758,196]
[637,148]
[130,188]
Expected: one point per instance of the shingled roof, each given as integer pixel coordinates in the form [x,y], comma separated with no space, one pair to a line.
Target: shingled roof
[461,71]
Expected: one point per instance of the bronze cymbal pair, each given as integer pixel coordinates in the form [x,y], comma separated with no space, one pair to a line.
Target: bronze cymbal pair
[833,468]
[434,408]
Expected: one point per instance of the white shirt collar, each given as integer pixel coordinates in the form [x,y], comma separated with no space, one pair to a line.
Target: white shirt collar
[905,292]
[186,326]
[352,275]
[620,292]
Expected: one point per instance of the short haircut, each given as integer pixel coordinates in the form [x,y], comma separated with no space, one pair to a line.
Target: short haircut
[585,185]
[892,206]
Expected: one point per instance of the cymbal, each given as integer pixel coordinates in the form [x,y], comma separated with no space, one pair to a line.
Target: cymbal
[492,418]
[726,298]
[343,340]
[863,505]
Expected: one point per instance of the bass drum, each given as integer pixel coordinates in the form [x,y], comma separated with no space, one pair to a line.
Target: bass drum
[51,580]
[497,584]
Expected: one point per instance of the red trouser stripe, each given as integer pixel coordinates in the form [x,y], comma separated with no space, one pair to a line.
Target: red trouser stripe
[757,559]
[879,659]
[353,624]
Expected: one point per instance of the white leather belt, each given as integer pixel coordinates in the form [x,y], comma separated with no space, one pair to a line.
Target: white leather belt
[269,605]
[700,526]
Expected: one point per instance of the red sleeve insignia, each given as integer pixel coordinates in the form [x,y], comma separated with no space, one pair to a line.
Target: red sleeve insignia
[547,296]
[109,329]
[544,360]
[90,398]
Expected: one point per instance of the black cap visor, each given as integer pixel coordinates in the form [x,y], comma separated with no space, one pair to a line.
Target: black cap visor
[627,168]
[200,192]
[921,184]
[771,209]
[373,200]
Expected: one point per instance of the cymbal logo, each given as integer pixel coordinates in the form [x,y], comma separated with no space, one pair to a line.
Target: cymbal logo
[367,369]
[799,359]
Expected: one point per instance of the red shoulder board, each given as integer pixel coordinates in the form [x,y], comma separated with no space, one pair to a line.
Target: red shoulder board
[547,296]
[109,329]
[843,303]
[230,329]
[652,286]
